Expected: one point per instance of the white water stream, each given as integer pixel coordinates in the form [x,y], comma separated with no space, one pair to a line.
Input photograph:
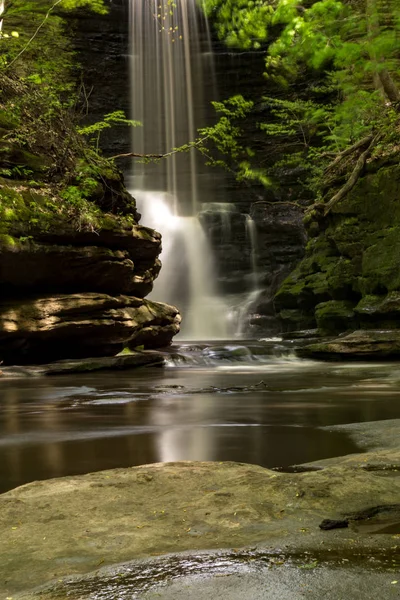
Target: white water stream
[172,60]
[187,278]
[170,52]
[2,7]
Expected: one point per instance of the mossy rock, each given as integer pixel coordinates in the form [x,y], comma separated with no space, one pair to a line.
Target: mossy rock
[8,122]
[369,305]
[296,320]
[348,237]
[380,311]
[381,263]
[340,278]
[7,242]
[23,162]
[357,345]
[335,316]
[355,255]
[373,199]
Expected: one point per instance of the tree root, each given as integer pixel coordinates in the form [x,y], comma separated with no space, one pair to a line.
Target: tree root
[350,183]
[366,140]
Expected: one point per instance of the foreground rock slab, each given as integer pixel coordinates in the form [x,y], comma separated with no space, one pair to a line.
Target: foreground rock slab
[75,525]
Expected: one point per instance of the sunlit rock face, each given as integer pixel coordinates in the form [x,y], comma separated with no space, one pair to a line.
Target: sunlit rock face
[118,260]
[73,292]
[48,328]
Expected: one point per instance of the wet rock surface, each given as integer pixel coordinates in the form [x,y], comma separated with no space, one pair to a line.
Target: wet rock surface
[281,239]
[145,358]
[73,525]
[256,574]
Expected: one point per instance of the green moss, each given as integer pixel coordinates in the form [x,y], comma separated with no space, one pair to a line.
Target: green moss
[381,263]
[356,254]
[374,198]
[21,160]
[7,241]
[335,316]
[340,277]
[295,320]
[368,305]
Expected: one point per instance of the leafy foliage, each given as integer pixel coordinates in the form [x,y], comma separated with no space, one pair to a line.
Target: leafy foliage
[351,48]
[49,170]
[93,131]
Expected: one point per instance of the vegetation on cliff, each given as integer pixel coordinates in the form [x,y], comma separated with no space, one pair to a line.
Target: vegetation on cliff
[331,71]
[51,170]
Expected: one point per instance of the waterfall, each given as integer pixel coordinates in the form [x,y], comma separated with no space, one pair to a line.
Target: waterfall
[167,94]
[251,233]
[170,51]
[2,7]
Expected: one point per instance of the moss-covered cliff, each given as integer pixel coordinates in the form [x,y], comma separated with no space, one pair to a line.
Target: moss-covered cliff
[350,276]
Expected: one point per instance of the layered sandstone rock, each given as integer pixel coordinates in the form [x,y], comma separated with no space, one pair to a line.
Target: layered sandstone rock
[79,325]
[75,291]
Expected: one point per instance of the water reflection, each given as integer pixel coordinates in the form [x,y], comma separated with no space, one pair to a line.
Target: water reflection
[269,415]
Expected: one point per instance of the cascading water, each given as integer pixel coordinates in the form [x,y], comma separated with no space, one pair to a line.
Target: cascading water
[2,7]
[251,233]
[170,51]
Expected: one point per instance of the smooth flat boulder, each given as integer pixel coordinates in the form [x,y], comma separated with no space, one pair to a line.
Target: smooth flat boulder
[73,525]
[357,345]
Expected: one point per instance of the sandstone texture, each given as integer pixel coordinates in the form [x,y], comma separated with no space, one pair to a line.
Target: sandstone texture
[81,325]
[73,525]
[73,288]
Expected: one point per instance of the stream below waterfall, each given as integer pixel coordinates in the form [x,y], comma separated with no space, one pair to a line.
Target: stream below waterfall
[251,403]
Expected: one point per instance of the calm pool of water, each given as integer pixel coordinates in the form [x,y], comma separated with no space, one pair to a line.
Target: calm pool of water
[256,409]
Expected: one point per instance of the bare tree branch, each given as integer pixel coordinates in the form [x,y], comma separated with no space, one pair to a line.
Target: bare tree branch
[183,148]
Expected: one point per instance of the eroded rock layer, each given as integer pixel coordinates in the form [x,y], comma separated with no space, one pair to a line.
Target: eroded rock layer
[71,290]
[79,325]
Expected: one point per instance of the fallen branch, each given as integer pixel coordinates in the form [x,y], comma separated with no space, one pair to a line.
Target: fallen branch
[366,140]
[296,204]
[183,148]
[350,183]
[136,155]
